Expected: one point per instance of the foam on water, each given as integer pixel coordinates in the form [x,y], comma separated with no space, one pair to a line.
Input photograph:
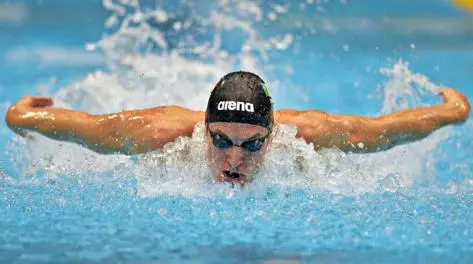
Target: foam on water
[148,67]
[304,205]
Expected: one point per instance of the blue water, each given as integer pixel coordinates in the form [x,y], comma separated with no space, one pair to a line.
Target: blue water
[76,218]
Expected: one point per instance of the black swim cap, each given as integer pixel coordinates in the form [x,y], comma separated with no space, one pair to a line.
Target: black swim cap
[240,97]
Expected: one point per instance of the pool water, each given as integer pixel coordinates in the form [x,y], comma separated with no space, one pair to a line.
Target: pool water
[61,203]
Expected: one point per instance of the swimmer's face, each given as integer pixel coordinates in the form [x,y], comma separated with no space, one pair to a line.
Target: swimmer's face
[235,151]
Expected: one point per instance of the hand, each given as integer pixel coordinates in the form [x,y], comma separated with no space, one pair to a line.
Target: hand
[29,102]
[17,115]
[457,103]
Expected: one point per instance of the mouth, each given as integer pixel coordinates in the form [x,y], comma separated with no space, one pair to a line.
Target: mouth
[230,176]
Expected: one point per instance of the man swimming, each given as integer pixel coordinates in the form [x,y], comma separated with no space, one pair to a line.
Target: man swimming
[239,123]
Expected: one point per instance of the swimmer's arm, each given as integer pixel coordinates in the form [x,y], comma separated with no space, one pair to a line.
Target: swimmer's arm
[370,134]
[128,132]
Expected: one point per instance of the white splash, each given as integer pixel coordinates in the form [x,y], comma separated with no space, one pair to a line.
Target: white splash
[404,88]
[146,69]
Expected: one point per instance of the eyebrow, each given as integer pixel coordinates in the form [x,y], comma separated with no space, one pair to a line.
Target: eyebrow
[220,133]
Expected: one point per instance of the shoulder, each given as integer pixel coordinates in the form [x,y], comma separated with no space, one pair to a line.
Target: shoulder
[311,125]
[172,113]
[299,117]
[171,109]
[176,120]
[165,121]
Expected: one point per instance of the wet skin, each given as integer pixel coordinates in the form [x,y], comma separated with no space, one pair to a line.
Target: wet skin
[235,164]
[140,131]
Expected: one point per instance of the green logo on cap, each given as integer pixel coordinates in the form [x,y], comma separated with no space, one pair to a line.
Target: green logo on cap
[265,89]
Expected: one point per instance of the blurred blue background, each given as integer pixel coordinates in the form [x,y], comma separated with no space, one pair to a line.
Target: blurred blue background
[335,62]
[433,36]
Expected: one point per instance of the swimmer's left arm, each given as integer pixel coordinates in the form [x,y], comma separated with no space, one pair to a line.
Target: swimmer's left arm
[359,134]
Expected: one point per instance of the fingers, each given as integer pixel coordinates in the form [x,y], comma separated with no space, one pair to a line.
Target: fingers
[457,101]
[41,102]
[451,95]
[36,101]
[446,94]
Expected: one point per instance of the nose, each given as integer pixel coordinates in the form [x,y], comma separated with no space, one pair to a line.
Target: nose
[234,157]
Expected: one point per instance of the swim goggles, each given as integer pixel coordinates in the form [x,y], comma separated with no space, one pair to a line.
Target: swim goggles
[252,145]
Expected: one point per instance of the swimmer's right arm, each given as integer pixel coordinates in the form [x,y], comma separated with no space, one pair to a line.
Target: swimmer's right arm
[128,132]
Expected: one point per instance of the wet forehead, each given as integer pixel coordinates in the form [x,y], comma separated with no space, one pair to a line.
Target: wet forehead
[238,130]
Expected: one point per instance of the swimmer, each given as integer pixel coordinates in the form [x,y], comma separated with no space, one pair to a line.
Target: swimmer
[239,125]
